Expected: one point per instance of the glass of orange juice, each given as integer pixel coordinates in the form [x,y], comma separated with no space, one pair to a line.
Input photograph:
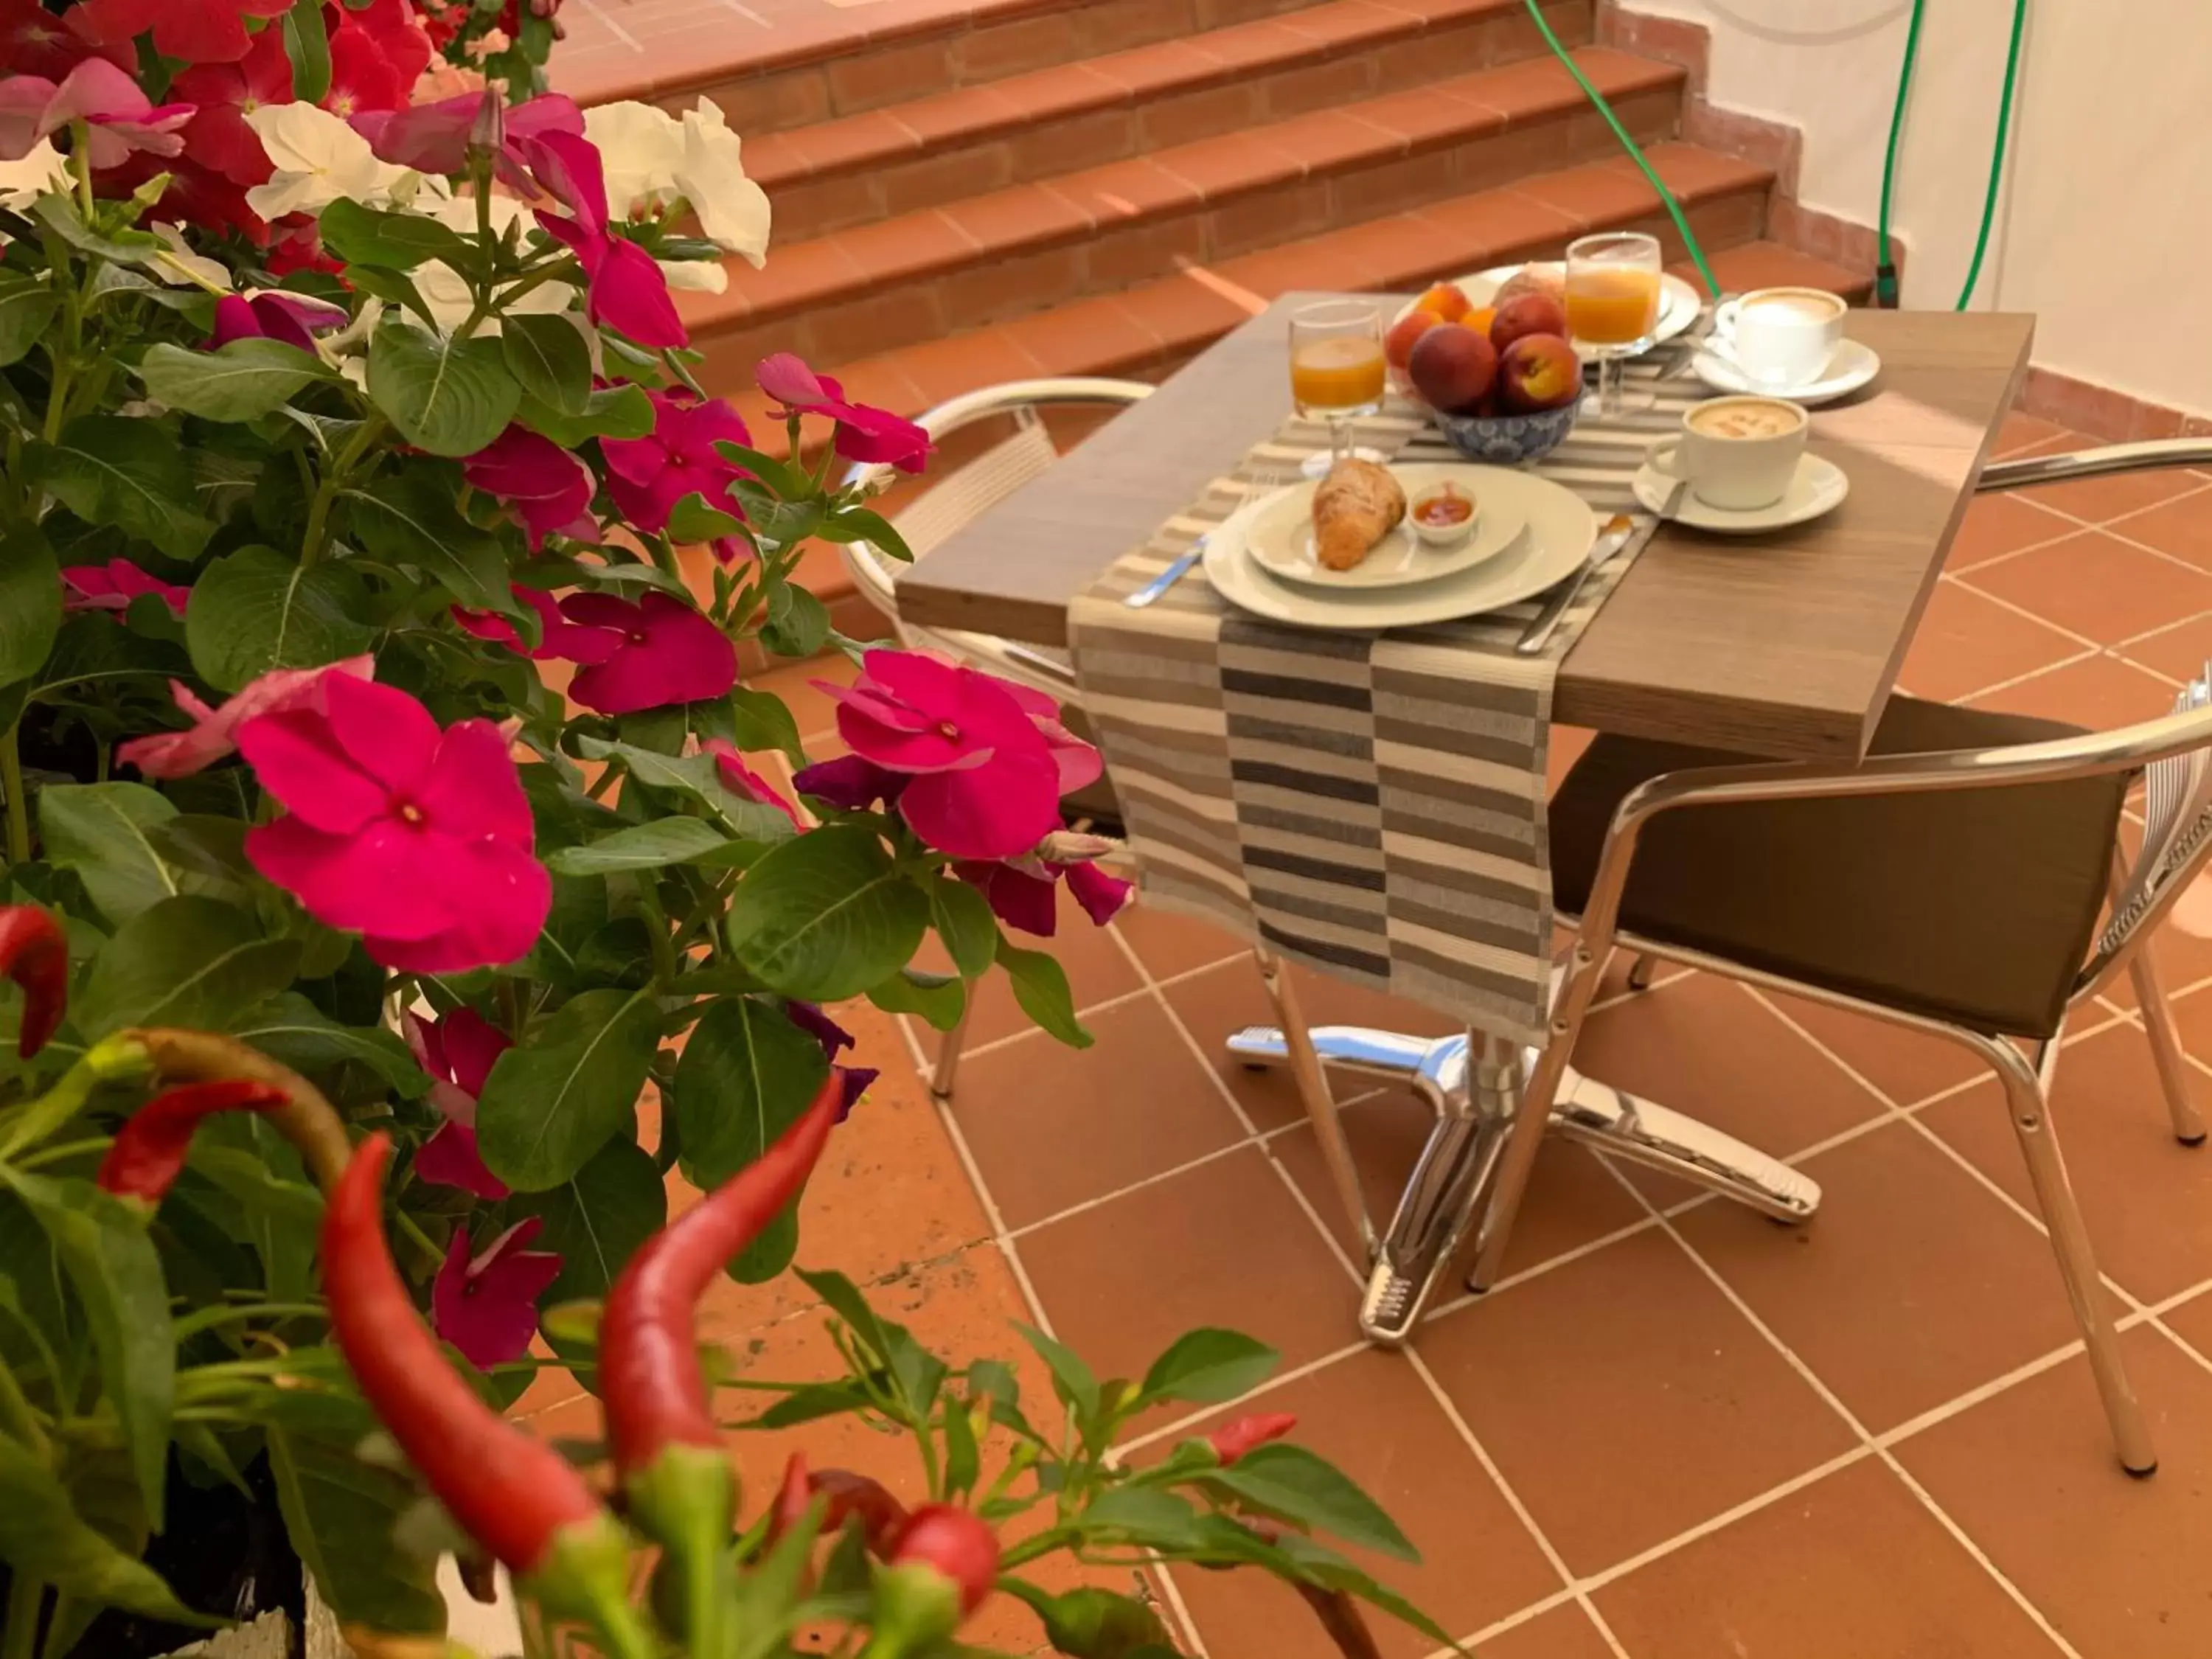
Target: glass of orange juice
[1337,369]
[1613,304]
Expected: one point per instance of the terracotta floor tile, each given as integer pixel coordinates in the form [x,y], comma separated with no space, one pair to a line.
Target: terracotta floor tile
[1852,1567]
[2192,1322]
[1372,1417]
[1967,642]
[1905,1065]
[2117,1566]
[2097,693]
[1052,1127]
[1997,524]
[1565,1633]
[1225,1244]
[2021,432]
[2094,584]
[1624,1399]
[2178,651]
[1913,1284]
[2182,527]
[1169,944]
[1572,1200]
[2147,1200]
[1096,972]
[2097,501]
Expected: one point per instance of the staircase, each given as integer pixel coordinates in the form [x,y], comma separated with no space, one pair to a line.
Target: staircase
[1104,186]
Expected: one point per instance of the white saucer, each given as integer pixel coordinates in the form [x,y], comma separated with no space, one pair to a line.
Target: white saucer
[1818,488]
[1679,303]
[1279,535]
[1853,365]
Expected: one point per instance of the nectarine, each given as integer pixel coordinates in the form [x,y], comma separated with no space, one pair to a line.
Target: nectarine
[1452,367]
[1538,371]
[1398,344]
[1526,314]
[1444,300]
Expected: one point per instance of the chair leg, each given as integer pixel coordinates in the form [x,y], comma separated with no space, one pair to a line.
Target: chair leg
[2029,1107]
[943,1075]
[1639,973]
[1313,1089]
[2174,1071]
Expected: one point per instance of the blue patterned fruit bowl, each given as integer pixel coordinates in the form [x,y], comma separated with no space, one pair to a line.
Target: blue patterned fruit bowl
[1508,440]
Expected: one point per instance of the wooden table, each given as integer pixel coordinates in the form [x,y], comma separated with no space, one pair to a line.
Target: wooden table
[1786,646]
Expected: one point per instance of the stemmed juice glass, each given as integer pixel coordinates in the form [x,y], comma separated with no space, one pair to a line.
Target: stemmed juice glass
[1338,373]
[1613,304]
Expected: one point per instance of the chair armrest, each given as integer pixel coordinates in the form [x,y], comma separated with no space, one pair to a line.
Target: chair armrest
[2095,463]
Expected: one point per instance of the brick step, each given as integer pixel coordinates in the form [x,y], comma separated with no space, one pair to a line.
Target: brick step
[858,169]
[994,257]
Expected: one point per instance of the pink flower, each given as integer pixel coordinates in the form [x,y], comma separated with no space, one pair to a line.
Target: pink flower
[120,118]
[989,760]
[665,653]
[647,476]
[863,433]
[487,1305]
[850,784]
[1023,892]
[626,291]
[852,1080]
[436,137]
[214,732]
[550,490]
[113,585]
[1101,896]
[740,779]
[558,637]
[419,840]
[197,31]
[295,318]
[458,1051]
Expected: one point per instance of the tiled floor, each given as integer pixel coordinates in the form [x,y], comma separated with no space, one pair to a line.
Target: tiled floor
[1675,1431]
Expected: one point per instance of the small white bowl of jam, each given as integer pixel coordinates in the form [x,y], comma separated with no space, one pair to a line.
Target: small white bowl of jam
[1442,517]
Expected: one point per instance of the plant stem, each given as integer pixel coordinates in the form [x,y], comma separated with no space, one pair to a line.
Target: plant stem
[19,809]
[319,511]
[81,165]
[19,1639]
[20,1415]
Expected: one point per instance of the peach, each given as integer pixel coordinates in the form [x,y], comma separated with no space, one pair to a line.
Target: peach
[1532,279]
[1538,371]
[1481,318]
[1444,300]
[1452,367]
[1398,344]
[1524,314]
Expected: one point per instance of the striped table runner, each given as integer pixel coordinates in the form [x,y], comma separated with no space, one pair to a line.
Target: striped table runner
[1371,804]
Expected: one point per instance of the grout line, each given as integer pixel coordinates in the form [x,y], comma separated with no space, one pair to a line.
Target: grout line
[2041,621]
[2032,674]
[1469,1298]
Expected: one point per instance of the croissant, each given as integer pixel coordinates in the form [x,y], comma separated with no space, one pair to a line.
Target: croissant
[1355,507]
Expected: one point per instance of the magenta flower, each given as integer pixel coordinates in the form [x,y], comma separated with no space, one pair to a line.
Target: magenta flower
[1019,898]
[557,637]
[626,289]
[420,840]
[665,653]
[295,318]
[214,732]
[850,783]
[119,118]
[647,476]
[1101,896]
[458,1051]
[835,1039]
[550,490]
[740,779]
[863,433]
[989,759]
[1022,891]
[437,137]
[113,585]
[486,1305]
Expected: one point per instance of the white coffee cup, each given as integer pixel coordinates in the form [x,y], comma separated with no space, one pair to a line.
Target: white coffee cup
[1739,453]
[1780,338]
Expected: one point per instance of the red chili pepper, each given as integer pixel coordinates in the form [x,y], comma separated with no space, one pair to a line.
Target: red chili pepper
[649,1377]
[514,1494]
[35,953]
[881,1516]
[943,1565]
[147,1153]
[1233,1440]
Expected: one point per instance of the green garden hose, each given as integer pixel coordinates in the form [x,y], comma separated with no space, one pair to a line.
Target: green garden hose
[1885,273]
[1997,154]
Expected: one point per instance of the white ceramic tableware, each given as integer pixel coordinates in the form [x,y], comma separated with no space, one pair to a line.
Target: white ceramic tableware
[1779,336]
[1279,534]
[1815,488]
[1738,453]
[1855,365]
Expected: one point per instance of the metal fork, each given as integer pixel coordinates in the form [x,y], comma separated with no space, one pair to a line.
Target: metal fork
[1179,566]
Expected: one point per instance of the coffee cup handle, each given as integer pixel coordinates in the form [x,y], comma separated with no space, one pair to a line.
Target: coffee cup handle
[1663,457]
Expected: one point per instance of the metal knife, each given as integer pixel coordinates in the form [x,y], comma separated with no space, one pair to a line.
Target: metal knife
[1168,578]
[1620,529]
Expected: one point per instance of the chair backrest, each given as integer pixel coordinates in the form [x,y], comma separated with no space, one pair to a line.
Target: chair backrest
[2177,832]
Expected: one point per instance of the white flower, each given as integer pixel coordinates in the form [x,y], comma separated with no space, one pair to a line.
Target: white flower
[700,275]
[40,172]
[180,267]
[651,159]
[445,291]
[318,159]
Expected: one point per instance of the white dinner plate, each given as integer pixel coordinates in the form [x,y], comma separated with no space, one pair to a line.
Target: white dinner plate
[1279,535]
[1853,365]
[1556,536]
[1679,303]
[1818,487]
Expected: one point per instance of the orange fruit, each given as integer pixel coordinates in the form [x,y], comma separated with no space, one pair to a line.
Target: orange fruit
[1479,320]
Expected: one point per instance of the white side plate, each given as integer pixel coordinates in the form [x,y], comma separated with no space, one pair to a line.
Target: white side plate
[1280,533]
[1817,488]
[1853,365]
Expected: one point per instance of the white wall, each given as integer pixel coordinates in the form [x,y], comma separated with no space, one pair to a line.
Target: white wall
[2105,228]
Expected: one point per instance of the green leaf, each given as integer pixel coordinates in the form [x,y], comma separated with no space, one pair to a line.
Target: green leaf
[391,241]
[241,381]
[809,1403]
[30,604]
[342,1514]
[962,1461]
[100,832]
[307,44]
[785,479]
[940,998]
[129,473]
[1297,1556]
[553,1101]
[802,628]
[597,1218]
[187,961]
[1209,1367]
[692,520]
[131,248]
[549,359]
[859,524]
[1041,987]
[747,1074]
[1074,1382]
[622,411]
[116,1274]
[827,914]
[43,1539]
[844,1299]
[1096,1623]
[1145,1515]
[962,919]
[762,720]
[693,777]
[1294,1484]
[290,1028]
[27,310]
[450,396]
[650,845]
[257,610]
[409,518]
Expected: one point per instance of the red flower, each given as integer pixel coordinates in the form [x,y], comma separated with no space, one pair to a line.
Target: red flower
[33,41]
[665,653]
[198,31]
[363,78]
[487,1305]
[298,246]
[863,433]
[217,136]
[550,490]
[557,637]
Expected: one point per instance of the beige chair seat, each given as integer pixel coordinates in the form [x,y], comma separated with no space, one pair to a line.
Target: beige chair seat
[1974,906]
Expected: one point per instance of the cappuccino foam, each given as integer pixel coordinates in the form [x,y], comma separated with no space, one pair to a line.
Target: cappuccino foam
[1744,420]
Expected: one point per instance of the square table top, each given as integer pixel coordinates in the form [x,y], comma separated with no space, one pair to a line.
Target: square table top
[1785,645]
